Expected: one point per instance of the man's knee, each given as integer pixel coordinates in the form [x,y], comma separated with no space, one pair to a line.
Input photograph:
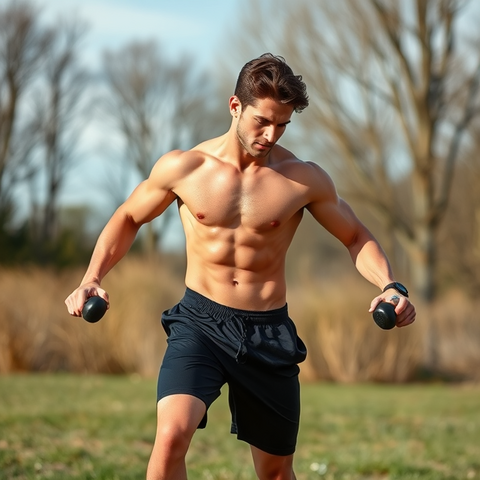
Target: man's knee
[167,459]
[273,467]
[178,418]
[275,472]
[173,439]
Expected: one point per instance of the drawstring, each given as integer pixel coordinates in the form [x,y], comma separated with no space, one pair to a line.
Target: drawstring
[239,357]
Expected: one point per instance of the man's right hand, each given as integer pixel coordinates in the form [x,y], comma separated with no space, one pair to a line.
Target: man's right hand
[78,297]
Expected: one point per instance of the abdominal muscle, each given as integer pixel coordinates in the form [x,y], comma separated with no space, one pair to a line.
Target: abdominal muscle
[237,268]
[238,227]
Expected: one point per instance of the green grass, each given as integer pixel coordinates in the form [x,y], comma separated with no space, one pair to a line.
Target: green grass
[102,427]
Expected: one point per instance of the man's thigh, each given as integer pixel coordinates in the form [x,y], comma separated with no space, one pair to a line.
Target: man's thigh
[189,367]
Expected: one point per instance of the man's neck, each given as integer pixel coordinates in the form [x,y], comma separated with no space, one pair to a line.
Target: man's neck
[235,153]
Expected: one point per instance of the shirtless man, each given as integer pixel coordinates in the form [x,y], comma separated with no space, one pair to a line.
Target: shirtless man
[241,198]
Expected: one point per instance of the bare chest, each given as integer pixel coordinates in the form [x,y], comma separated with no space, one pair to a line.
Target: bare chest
[228,199]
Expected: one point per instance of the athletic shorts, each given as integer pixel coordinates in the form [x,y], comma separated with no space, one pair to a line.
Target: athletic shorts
[255,353]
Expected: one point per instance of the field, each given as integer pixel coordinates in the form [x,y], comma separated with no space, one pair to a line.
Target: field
[63,426]
[345,346]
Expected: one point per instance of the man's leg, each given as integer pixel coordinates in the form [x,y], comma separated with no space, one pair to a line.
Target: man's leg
[178,417]
[272,467]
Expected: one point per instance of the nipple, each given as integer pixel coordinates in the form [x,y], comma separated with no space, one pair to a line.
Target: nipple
[275,223]
[200,216]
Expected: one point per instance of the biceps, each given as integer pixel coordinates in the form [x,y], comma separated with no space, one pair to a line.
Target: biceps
[147,202]
[338,218]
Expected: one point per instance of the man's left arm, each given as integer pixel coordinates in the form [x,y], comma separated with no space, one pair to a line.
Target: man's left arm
[336,216]
[372,262]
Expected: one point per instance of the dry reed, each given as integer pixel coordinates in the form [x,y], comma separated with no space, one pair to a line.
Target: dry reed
[344,344]
[38,334]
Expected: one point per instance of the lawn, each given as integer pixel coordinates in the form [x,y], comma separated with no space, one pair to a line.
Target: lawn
[102,427]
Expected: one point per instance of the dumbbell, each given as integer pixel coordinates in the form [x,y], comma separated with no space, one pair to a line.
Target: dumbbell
[94,309]
[384,315]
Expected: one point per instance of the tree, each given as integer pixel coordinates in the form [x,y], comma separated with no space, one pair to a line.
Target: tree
[155,104]
[23,47]
[58,112]
[41,90]
[460,233]
[394,87]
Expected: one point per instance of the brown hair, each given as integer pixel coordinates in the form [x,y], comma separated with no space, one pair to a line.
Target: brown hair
[269,76]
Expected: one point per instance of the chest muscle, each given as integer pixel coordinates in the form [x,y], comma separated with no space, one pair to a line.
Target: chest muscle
[229,199]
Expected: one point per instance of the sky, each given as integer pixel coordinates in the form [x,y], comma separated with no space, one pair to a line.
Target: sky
[180,26]
[193,27]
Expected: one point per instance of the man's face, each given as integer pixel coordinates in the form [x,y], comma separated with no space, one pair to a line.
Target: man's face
[260,126]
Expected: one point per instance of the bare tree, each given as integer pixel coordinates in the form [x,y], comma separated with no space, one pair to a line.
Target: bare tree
[23,46]
[155,104]
[394,87]
[460,233]
[58,118]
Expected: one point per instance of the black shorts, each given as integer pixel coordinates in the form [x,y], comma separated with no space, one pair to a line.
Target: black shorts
[255,353]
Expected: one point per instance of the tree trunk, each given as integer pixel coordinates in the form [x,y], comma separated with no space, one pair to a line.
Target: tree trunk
[423,265]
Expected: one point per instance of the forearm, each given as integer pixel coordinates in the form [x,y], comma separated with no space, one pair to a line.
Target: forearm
[370,259]
[113,243]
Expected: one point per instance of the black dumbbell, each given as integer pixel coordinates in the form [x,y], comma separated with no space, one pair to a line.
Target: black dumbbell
[94,309]
[384,315]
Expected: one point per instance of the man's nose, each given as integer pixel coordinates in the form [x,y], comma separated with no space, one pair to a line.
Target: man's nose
[269,134]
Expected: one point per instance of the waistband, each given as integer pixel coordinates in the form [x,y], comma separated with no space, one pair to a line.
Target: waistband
[205,305]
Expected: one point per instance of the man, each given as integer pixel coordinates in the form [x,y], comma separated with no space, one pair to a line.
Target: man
[241,198]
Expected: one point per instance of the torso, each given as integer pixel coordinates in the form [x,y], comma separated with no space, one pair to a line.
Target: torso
[239,225]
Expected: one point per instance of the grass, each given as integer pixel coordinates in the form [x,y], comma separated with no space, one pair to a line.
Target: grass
[102,427]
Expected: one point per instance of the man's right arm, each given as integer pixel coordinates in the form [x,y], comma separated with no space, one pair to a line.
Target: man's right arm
[148,201]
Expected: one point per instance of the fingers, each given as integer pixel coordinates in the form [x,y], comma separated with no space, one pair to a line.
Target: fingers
[376,301]
[405,311]
[407,316]
[100,292]
[79,296]
[73,305]
[393,299]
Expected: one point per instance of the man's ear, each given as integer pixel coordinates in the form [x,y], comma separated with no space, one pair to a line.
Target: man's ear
[235,106]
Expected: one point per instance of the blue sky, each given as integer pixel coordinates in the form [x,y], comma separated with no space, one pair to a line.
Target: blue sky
[191,26]
[194,27]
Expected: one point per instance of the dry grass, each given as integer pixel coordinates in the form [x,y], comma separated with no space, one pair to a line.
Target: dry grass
[345,345]
[37,334]
[452,337]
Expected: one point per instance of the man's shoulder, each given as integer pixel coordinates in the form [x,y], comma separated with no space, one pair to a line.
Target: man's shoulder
[311,177]
[178,163]
[194,157]
[183,158]
[287,161]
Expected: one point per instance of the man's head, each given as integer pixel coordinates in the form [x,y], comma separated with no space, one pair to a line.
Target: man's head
[269,76]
